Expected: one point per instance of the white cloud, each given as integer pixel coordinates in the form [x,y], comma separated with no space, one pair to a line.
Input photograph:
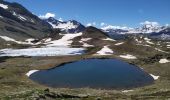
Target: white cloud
[102,24]
[167,25]
[47,15]
[91,24]
[150,23]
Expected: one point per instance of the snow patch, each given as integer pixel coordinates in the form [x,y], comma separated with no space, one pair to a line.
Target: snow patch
[119,43]
[128,56]
[83,40]
[161,50]
[28,41]
[48,51]
[138,41]
[32,21]
[7,38]
[125,91]
[109,39]
[148,41]
[66,40]
[22,18]
[47,40]
[105,51]
[19,16]
[65,26]
[163,61]
[155,77]
[31,72]
[3,6]
[87,45]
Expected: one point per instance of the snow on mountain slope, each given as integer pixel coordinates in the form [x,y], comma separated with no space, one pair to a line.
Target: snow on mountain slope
[19,16]
[58,47]
[115,27]
[105,51]
[66,40]
[28,41]
[70,26]
[20,24]
[3,6]
[147,27]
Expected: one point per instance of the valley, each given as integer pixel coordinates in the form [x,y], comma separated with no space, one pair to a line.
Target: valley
[29,44]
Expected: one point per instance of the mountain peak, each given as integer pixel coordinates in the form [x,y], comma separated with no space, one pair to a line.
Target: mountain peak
[71,26]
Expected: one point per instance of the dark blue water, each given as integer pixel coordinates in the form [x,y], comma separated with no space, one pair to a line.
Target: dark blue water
[94,73]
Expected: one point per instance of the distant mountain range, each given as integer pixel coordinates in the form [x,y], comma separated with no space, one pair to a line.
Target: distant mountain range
[152,30]
[18,23]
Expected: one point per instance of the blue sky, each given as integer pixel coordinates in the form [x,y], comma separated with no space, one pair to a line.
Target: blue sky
[115,12]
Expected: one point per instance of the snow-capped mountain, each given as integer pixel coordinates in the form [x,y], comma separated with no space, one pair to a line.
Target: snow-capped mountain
[70,26]
[115,29]
[147,27]
[152,29]
[18,23]
[163,35]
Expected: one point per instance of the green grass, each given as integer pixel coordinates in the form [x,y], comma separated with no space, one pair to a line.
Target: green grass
[15,85]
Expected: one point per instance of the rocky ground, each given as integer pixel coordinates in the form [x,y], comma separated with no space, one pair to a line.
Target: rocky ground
[16,85]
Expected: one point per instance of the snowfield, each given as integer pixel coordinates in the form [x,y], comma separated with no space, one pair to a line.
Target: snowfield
[48,51]
[105,51]
[128,56]
[66,40]
[53,48]
[3,6]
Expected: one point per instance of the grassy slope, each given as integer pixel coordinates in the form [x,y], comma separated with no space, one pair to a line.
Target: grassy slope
[16,85]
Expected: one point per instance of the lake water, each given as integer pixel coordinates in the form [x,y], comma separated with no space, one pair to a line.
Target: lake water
[94,73]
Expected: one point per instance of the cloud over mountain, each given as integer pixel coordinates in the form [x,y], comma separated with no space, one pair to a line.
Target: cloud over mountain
[47,15]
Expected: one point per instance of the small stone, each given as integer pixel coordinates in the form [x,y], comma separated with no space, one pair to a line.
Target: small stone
[47,90]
